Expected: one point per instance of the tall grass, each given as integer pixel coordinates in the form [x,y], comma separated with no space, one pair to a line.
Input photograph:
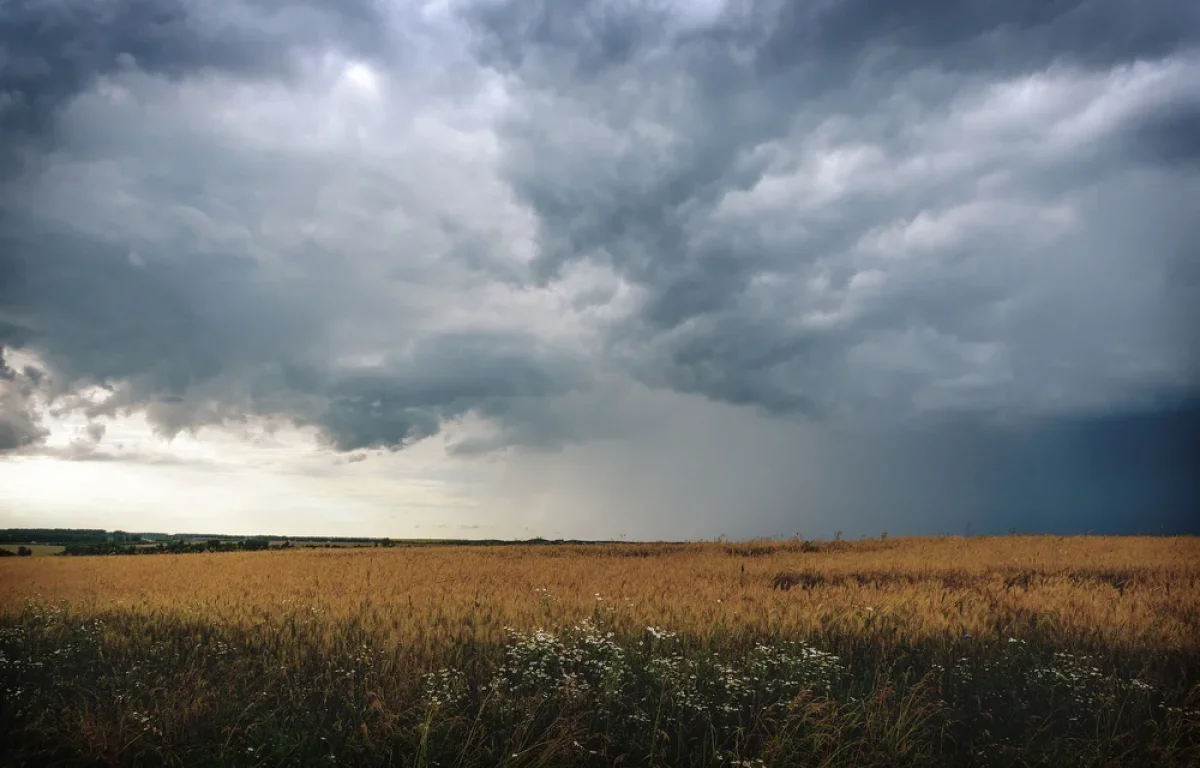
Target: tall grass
[1005,651]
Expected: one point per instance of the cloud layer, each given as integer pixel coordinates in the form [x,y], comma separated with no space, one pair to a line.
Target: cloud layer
[502,220]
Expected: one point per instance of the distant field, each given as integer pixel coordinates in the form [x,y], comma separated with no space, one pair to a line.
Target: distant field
[986,651]
[37,549]
[323,544]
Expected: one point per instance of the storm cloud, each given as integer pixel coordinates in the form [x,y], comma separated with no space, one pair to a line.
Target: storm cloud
[926,226]
[795,190]
[56,49]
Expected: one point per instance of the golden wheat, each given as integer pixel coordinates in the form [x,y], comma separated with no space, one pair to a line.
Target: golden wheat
[1134,593]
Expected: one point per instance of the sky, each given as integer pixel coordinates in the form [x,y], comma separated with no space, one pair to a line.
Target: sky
[650,269]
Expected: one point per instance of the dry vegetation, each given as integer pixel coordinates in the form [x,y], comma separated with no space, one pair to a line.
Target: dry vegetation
[1011,651]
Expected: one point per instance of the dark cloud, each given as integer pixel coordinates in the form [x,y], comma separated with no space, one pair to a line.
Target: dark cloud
[191,343]
[55,49]
[1170,133]
[591,37]
[947,235]
[675,123]
[443,378]
[197,334]
[989,35]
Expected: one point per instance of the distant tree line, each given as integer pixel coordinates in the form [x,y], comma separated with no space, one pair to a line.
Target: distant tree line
[172,547]
[50,535]
[95,541]
[64,536]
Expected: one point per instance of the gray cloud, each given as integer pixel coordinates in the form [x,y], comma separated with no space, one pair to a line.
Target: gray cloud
[189,316]
[944,224]
[20,424]
[444,378]
[725,170]
[95,431]
[985,35]
[1169,133]
[179,340]
[55,49]
[798,48]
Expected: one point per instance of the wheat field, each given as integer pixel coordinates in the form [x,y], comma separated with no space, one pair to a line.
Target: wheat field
[556,654]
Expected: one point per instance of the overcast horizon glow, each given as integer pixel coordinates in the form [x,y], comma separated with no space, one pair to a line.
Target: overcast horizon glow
[489,268]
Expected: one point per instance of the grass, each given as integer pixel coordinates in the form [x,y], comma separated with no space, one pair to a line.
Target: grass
[37,549]
[986,651]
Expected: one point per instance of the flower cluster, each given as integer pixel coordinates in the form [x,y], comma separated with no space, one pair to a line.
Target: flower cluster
[144,721]
[767,676]
[585,662]
[660,634]
[1077,676]
[785,670]
[445,688]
